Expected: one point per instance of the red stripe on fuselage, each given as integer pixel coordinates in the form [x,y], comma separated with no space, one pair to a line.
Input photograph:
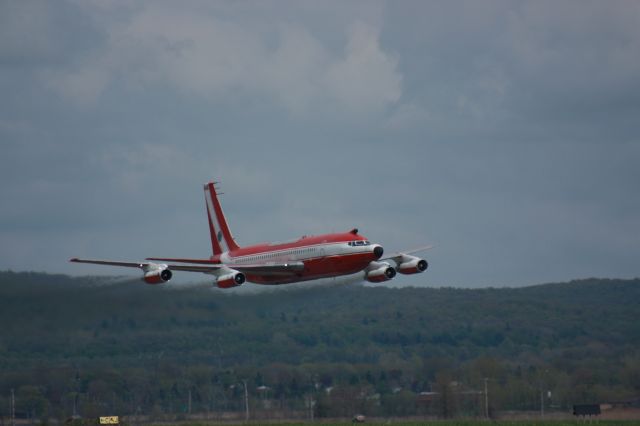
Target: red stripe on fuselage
[321,267]
[318,266]
[315,240]
[303,242]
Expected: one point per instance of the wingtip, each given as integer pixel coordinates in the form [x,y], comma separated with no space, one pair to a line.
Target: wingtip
[73,259]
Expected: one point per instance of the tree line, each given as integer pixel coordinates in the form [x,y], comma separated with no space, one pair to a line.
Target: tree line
[101,346]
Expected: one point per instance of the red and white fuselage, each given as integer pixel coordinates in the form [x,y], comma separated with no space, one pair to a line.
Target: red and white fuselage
[306,258]
[321,256]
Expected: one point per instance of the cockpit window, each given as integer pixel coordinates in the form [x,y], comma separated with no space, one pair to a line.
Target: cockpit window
[359,243]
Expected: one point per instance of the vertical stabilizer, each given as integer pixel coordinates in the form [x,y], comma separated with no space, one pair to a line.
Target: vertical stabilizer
[221,238]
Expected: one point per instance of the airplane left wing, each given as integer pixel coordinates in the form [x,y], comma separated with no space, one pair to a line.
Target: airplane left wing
[154,273]
[109,262]
[262,269]
[156,270]
[149,265]
[269,268]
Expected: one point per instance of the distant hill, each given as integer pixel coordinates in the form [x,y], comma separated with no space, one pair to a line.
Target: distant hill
[581,338]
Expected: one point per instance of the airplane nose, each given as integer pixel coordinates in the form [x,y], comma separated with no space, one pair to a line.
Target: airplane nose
[377,252]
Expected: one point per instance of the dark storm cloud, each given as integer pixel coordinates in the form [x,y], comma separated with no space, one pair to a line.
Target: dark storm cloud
[505,133]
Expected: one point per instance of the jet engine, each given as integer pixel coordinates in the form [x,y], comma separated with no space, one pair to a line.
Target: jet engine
[157,274]
[378,272]
[230,280]
[411,265]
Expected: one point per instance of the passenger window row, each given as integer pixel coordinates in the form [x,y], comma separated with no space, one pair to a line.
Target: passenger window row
[280,254]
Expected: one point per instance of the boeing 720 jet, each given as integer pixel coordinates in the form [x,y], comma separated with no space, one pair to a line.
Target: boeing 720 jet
[306,258]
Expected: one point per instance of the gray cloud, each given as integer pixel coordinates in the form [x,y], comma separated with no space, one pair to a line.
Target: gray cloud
[506,133]
[202,54]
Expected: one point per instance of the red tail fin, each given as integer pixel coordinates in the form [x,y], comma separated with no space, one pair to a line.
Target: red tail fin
[221,238]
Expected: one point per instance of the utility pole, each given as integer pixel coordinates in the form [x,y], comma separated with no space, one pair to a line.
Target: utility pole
[246,400]
[542,386]
[310,404]
[13,408]
[486,398]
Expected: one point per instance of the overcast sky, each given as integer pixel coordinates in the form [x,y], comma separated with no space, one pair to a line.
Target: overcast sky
[505,133]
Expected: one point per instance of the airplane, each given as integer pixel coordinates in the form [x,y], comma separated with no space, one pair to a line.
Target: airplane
[306,258]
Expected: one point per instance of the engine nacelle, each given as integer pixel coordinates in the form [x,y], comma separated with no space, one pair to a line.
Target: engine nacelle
[378,272]
[157,275]
[412,265]
[231,280]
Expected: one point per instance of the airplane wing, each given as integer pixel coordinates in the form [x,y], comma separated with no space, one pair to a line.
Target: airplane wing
[183,260]
[408,264]
[110,262]
[398,255]
[261,269]
[270,268]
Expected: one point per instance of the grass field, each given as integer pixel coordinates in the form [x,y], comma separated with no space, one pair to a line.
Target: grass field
[447,423]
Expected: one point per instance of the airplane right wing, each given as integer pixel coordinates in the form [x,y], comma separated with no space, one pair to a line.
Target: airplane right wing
[407,264]
[393,256]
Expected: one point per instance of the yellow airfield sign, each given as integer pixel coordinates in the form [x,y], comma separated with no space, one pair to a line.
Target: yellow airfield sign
[110,420]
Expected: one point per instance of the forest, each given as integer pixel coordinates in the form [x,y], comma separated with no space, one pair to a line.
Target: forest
[95,346]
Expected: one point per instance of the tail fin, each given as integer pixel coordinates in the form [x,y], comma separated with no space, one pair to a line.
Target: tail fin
[221,238]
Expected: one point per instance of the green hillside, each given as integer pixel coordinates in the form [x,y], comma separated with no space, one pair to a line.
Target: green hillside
[128,347]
